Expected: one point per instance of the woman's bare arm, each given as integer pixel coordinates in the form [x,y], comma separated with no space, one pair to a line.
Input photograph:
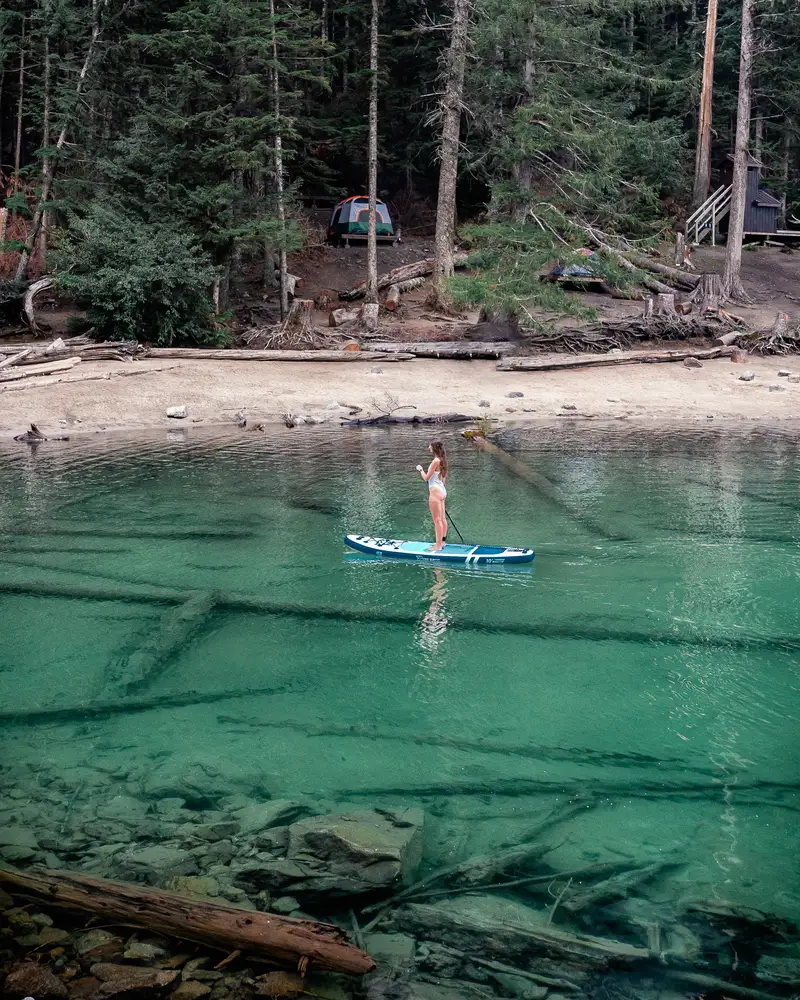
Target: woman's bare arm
[431,469]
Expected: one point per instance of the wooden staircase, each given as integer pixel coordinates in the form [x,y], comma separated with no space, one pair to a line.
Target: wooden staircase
[704,221]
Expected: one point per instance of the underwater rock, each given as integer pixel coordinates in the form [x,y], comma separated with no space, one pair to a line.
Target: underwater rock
[149,950]
[263,815]
[191,990]
[516,986]
[123,809]
[284,905]
[275,840]
[342,854]
[98,945]
[18,836]
[31,980]
[390,949]
[199,886]
[212,832]
[200,782]
[160,863]
[117,979]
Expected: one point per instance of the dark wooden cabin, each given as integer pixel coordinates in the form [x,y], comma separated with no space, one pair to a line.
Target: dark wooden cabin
[761,209]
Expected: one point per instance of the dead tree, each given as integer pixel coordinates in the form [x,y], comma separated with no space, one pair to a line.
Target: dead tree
[450,109]
[702,163]
[732,276]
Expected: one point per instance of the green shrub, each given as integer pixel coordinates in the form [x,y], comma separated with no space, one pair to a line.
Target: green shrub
[137,280]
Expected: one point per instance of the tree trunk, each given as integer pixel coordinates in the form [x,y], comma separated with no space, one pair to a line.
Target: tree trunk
[523,170]
[787,146]
[372,157]
[759,137]
[20,105]
[278,148]
[732,275]
[221,926]
[25,256]
[702,167]
[451,104]
[43,235]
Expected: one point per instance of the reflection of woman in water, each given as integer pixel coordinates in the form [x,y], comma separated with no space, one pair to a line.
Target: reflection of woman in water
[436,477]
[434,621]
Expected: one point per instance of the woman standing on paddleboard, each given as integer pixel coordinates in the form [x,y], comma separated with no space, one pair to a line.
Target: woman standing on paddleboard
[435,477]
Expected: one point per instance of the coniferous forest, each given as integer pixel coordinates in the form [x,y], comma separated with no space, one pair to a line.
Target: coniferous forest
[176,145]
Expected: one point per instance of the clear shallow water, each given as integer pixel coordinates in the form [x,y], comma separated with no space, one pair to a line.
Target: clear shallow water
[649,660]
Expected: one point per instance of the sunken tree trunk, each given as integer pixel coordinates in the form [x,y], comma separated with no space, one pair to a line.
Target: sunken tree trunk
[451,103]
[225,927]
[732,275]
[702,163]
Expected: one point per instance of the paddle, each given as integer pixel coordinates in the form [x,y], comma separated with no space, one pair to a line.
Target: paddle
[456,527]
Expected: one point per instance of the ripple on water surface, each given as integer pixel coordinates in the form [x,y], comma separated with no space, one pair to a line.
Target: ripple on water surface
[183,603]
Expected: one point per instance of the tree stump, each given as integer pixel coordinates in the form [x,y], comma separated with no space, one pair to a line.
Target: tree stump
[341,317]
[665,304]
[300,316]
[680,250]
[369,315]
[708,293]
[648,307]
[392,300]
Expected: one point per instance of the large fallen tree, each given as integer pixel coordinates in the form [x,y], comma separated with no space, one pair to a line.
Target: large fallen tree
[621,358]
[199,354]
[225,927]
[456,350]
[400,275]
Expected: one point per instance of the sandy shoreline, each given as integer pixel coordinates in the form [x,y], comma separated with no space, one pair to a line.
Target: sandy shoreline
[215,392]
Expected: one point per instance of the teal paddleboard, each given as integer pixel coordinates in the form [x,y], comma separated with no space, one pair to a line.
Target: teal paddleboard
[468,555]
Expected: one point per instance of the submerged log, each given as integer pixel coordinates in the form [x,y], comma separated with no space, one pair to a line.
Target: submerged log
[532,750]
[543,486]
[596,361]
[616,887]
[199,354]
[225,927]
[484,934]
[400,275]
[568,628]
[177,628]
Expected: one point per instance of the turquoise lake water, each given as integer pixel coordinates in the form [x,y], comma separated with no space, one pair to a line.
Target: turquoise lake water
[649,660]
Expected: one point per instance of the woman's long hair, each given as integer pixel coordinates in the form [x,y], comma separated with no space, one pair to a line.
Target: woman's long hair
[438,450]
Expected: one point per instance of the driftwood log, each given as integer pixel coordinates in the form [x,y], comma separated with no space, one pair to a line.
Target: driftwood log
[199,354]
[385,419]
[400,275]
[14,374]
[456,350]
[34,289]
[595,361]
[224,927]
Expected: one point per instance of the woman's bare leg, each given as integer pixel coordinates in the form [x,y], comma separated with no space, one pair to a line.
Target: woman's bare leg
[437,513]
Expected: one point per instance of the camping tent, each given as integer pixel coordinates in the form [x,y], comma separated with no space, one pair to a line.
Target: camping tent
[350,219]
